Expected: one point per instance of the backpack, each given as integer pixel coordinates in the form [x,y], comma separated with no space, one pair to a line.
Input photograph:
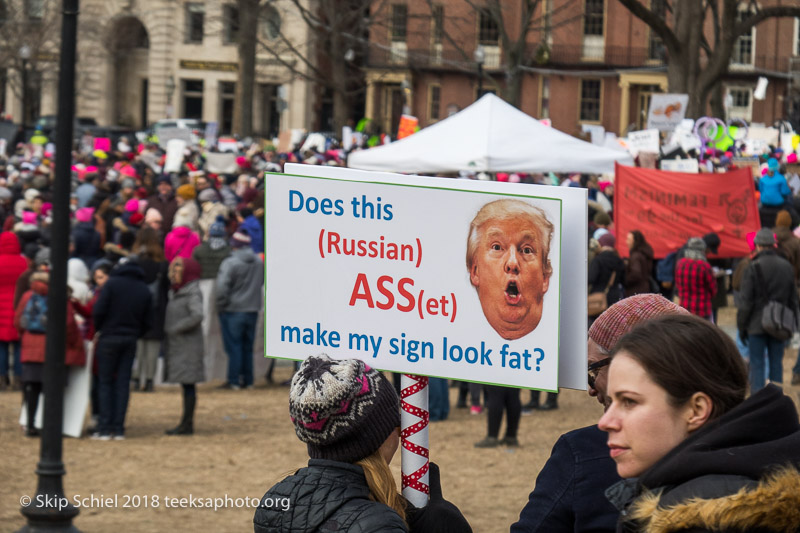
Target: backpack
[155,288]
[34,316]
[665,269]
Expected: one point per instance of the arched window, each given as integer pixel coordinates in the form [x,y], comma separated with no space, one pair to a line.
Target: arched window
[269,22]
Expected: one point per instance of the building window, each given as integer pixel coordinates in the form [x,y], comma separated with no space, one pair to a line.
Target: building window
[590,101]
[227,96]
[35,9]
[656,49]
[593,17]
[434,102]
[545,106]
[743,48]
[230,21]
[399,22]
[192,93]
[488,31]
[739,103]
[438,24]
[195,15]
[269,22]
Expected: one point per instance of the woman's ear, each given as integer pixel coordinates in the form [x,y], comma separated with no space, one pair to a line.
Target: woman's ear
[698,410]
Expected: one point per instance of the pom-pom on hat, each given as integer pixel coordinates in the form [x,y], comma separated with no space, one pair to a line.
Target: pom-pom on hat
[621,317]
[217,229]
[343,410]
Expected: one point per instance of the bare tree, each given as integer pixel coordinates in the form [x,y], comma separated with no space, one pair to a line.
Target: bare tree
[247,43]
[697,62]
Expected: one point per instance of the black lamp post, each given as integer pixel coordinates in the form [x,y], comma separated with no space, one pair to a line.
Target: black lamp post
[24,55]
[50,510]
[480,57]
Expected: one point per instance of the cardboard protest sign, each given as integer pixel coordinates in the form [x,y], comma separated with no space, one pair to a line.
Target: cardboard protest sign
[376,270]
[174,160]
[666,111]
[670,207]
[680,165]
[643,141]
[227,144]
[221,163]
[210,134]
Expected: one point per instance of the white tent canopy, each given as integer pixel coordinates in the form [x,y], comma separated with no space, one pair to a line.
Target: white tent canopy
[492,136]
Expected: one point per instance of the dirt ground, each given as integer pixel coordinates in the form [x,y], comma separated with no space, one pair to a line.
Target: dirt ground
[244,442]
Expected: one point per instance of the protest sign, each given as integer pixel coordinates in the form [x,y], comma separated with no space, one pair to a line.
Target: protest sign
[572,319]
[228,144]
[167,134]
[671,207]
[643,141]
[210,134]
[174,160]
[389,283]
[408,125]
[221,163]
[680,165]
[666,111]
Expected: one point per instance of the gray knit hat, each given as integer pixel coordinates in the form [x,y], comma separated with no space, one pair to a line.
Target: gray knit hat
[343,410]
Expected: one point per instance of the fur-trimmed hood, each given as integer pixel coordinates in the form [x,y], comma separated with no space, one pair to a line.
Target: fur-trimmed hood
[772,505]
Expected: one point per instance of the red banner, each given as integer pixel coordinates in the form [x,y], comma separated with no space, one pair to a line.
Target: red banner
[670,207]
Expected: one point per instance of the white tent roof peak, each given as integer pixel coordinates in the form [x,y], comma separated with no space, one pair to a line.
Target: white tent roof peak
[493,136]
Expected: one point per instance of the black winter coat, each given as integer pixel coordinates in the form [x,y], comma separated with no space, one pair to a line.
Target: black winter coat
[778,284]
[124,308]
[87,243]
[325,496]
[603,265]
[737,473]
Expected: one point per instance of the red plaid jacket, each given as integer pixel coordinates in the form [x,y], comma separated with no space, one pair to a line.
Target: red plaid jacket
[695,282]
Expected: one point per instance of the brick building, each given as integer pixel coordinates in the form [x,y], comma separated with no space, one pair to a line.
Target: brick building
[593,63]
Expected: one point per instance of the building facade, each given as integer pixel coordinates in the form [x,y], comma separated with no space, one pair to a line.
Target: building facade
[588,62]
[140,61]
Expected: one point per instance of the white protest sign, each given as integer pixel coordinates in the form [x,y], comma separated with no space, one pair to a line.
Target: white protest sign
[666,111]
[680,165]
[221,163]
[167,134]
[211,134]
[400,310]
[643,141]
[228,144]
[174,160]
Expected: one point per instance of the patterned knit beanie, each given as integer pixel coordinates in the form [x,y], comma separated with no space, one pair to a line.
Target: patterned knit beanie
[343,410]
[620,318]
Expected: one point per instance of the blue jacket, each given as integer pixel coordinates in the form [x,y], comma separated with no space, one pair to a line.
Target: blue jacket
[774,189]
[256,232]
[570,489]
[124,308]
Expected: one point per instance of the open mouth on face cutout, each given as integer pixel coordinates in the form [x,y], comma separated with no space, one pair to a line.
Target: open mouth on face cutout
[512,293]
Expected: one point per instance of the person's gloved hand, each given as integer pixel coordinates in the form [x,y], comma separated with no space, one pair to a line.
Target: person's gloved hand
[743,336]
[439,516]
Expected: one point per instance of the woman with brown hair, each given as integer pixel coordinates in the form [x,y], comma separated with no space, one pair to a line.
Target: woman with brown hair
[692,452]
[639,266]
[348,414]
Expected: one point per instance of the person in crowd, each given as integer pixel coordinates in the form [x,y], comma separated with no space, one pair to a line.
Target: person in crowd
[154,220]
[238,294]
[251,224]
[602,222]
[694,279]
[78,280]
[150,257]
[30,318]
[788,243]
[694,454]
[768,277]
[164,202]
[185,197]
[121,315]
[607,271]
[639,267]
[348,415]
[182,239]
[86,238]
[774,193]
[210,210]
[184,337]
[500,399]
[12,265]
[569,491]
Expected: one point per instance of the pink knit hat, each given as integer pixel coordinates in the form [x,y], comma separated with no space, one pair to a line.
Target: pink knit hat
[132,206]
[28,217]
[620,318]
[84,214]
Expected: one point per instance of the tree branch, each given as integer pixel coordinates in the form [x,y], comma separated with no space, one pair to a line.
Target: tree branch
[656,24]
